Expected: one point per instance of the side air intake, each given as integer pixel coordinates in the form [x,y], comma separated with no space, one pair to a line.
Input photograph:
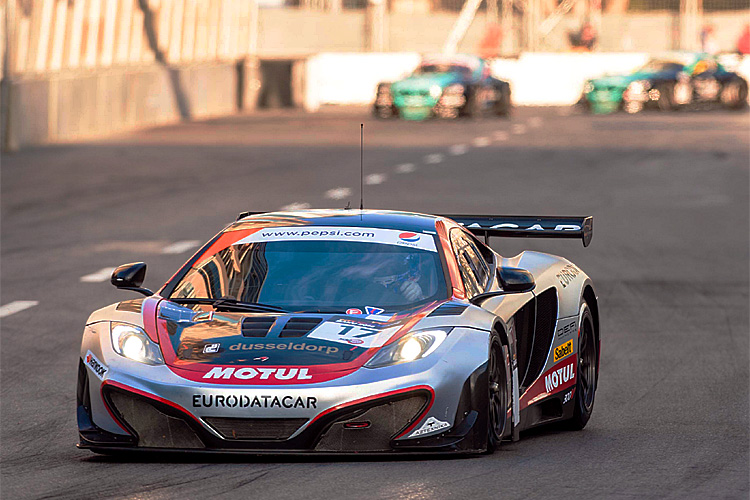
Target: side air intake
[546,315]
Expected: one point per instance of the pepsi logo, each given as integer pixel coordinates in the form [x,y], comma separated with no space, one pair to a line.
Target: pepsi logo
[410,237]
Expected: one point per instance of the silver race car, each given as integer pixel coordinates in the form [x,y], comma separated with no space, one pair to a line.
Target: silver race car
[345,331]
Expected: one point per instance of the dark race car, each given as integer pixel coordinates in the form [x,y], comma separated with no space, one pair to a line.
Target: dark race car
[343,331]
[668,83]
[444,87]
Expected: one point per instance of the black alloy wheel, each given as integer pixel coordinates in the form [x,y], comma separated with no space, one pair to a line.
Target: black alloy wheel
[586,371]
[666,97]
[497,394]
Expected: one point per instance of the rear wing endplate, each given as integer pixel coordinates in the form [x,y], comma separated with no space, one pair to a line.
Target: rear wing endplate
[525,226]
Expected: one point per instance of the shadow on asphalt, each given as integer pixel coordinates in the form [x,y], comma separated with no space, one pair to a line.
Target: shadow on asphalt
[146,456]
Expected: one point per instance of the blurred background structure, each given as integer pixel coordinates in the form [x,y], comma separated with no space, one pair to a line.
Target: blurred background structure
[77,68]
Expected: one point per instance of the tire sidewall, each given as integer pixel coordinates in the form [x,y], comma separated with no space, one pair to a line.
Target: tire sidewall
[582,414]
[493,441]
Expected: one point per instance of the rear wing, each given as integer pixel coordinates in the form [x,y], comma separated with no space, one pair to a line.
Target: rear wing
[524,226]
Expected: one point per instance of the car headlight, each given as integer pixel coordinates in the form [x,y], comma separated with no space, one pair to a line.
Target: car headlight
[133,343]
[456,88]
[588,87]
[436,91]
[413,346]
[639,86]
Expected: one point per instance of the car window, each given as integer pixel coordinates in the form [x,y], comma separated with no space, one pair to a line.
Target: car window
[484,251]
[334,274]
[474,269]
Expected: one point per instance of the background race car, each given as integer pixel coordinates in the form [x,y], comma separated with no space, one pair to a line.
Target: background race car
[667,83]
[445,87]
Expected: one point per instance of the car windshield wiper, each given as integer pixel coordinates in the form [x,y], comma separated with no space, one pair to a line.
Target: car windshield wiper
[227,303]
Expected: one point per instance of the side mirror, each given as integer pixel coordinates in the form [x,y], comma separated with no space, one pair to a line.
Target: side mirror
[515,280]
[512,280]
[130,277]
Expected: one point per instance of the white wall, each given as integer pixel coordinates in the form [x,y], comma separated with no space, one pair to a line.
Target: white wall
[352,78]
[537,79]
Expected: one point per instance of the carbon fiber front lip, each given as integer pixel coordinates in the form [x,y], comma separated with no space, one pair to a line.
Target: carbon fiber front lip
[411,452]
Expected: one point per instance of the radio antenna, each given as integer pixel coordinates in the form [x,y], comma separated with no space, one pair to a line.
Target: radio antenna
[361,165]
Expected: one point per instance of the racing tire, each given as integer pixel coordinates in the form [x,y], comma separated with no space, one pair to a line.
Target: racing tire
[497,394]
[587,371]
[583,105]
[734,94]
[666,97]
[503,105]
[473,106]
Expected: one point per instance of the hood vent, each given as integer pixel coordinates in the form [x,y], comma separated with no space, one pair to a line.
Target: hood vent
[299,327]
[257,326]
[449,310]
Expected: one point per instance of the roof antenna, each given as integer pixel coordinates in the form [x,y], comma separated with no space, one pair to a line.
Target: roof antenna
[361,165]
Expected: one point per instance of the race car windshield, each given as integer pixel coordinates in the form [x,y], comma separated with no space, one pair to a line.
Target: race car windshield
[325,276]
[657,65]
[442,68]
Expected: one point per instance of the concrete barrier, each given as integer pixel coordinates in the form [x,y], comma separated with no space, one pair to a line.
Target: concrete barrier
[77,105]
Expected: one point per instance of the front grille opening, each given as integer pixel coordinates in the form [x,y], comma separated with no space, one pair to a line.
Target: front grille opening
[257,326]
[154,428]
[268,429]
[299,327]
[386,421]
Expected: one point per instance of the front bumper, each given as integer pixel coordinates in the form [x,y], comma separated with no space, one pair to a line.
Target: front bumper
[368,411]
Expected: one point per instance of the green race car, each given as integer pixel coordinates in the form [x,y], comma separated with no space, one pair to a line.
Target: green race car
[444,87]
[667,83]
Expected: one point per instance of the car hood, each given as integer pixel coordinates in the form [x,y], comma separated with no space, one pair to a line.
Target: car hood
[194,342]
[424,82]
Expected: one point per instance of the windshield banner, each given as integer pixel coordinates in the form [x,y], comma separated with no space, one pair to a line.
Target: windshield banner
[333,233]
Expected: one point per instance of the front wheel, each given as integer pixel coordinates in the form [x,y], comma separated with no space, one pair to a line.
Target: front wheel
[666,97]
[587,370]
[473,106]
[497,394]
[503,105]
[734,94]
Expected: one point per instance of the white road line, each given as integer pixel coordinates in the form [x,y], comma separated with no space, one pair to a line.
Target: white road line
[518,129]
[338,193]
[101,275]
[458,149]
[481,142]
[433,158]
[535,122]
[373,179]
[16,306]
[295,206]
[405,168]
[500,135]
[180,246]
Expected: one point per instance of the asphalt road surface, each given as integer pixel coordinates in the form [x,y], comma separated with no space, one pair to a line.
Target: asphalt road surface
[669,193]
